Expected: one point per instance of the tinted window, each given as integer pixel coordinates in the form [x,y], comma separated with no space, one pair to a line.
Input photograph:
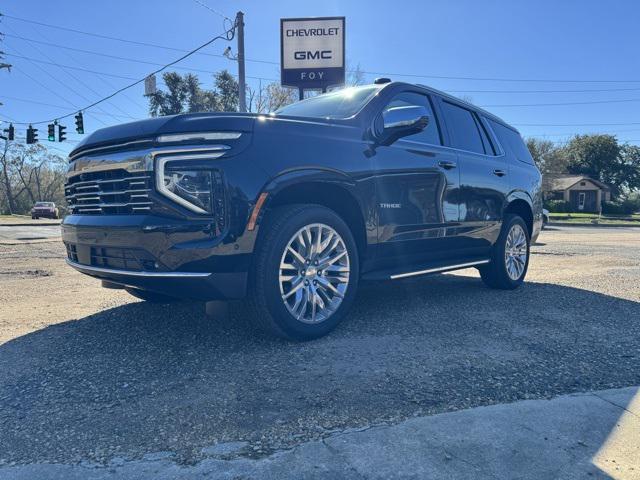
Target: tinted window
[488,146]
[512,142]
[462,128]
[341,104]
[431,134]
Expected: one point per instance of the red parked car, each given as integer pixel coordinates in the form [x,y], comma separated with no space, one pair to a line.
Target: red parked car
[45,210]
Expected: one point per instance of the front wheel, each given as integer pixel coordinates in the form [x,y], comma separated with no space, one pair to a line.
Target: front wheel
[305,273]
[510,256]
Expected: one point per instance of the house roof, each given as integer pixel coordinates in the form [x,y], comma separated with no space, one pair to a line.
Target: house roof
[555,182]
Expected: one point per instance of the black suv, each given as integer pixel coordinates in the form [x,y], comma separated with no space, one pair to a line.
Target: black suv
[293,209]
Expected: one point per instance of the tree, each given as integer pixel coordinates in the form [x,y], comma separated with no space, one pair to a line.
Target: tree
[184,95]
[270,98]
[355,77]
[226,92]
[548,156]
[29,173]
[597,156]
[629,178]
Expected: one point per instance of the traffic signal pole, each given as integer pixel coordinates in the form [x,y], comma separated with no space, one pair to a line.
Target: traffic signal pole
[242,93]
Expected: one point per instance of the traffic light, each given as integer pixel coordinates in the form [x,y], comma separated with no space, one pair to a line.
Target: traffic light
[32,135]
[79,123]
[62,136]
[11,132]
[51,132]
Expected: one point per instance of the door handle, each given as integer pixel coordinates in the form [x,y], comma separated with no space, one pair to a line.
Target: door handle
[447,165]
[499,173]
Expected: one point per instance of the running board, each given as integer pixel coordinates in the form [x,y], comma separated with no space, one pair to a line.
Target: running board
[438,269]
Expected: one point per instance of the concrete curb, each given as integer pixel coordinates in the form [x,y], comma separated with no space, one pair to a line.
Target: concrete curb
[571,437]
[41,224]
[31,241]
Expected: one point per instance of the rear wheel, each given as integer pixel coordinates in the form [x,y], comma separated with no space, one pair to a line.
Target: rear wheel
[510,256]
[305,274]
[151,297]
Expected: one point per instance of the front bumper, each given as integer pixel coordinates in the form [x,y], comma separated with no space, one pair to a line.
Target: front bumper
[180,258]
[194,285]
[44,214]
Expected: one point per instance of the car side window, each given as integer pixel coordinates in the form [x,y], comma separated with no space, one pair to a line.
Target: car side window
[511,142]
[488,146]
[463,128]
[431,134]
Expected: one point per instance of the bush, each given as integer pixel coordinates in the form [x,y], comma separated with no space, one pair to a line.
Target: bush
[613,208]
[631,204]
[558,206]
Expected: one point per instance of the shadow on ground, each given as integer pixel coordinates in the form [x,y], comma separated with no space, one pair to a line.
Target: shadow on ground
[141,378]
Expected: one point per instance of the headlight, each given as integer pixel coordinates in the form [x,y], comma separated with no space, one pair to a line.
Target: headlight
[188,186]
[197,136]
[191,186]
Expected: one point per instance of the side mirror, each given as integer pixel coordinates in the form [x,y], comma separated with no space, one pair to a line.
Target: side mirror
[398,122]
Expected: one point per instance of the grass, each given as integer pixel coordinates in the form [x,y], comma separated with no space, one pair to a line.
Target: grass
[588,218]
[593,215]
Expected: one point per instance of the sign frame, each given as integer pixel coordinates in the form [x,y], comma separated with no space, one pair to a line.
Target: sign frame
[334,75]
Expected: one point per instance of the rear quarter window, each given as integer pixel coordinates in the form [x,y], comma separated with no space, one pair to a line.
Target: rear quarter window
[512,142]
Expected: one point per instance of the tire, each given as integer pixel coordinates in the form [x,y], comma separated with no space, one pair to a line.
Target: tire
[151,297]
[289,296]
[497,274]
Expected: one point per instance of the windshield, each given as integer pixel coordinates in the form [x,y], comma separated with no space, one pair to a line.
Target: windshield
[43,204]
[340,104]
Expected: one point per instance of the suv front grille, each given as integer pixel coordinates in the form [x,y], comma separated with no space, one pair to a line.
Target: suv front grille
[109,192]
[132,259]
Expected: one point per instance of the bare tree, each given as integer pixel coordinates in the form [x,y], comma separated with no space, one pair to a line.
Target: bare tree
[355,77]
[29,173]
[7,181]
[270,98]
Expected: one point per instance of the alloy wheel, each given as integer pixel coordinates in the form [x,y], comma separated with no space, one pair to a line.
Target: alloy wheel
[515,252]
[314,273]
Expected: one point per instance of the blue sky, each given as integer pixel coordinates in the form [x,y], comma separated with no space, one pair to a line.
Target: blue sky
[573,45]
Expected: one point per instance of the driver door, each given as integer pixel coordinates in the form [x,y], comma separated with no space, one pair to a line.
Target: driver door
[417,182]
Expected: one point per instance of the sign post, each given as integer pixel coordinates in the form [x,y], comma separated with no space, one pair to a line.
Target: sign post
[312,52]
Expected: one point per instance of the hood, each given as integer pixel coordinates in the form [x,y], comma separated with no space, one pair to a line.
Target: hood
[150,128]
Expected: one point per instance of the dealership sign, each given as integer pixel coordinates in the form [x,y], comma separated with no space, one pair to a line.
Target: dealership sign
[312,52]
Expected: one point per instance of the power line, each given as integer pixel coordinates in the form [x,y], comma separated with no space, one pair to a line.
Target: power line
[106,74]
[202,4]
[128,59]
[560,103]
[574,124]
[117,39]
[78,63]
[77,79]
[53,91]
[445,77]
[227,34]
[16,99]
[591,90]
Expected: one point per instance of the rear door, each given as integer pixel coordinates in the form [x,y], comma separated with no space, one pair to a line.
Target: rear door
[484,182]
[416,187]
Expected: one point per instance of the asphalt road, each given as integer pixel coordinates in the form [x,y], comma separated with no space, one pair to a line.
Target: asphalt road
[132,378]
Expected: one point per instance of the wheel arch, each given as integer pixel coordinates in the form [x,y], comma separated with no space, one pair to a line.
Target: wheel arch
[328,188]
[521,205]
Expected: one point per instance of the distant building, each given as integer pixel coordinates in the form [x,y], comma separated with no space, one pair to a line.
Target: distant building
[583,193]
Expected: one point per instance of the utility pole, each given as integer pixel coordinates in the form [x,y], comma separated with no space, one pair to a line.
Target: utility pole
[242,94]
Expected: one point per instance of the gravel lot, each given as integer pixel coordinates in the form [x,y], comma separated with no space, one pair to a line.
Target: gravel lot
[95,375]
